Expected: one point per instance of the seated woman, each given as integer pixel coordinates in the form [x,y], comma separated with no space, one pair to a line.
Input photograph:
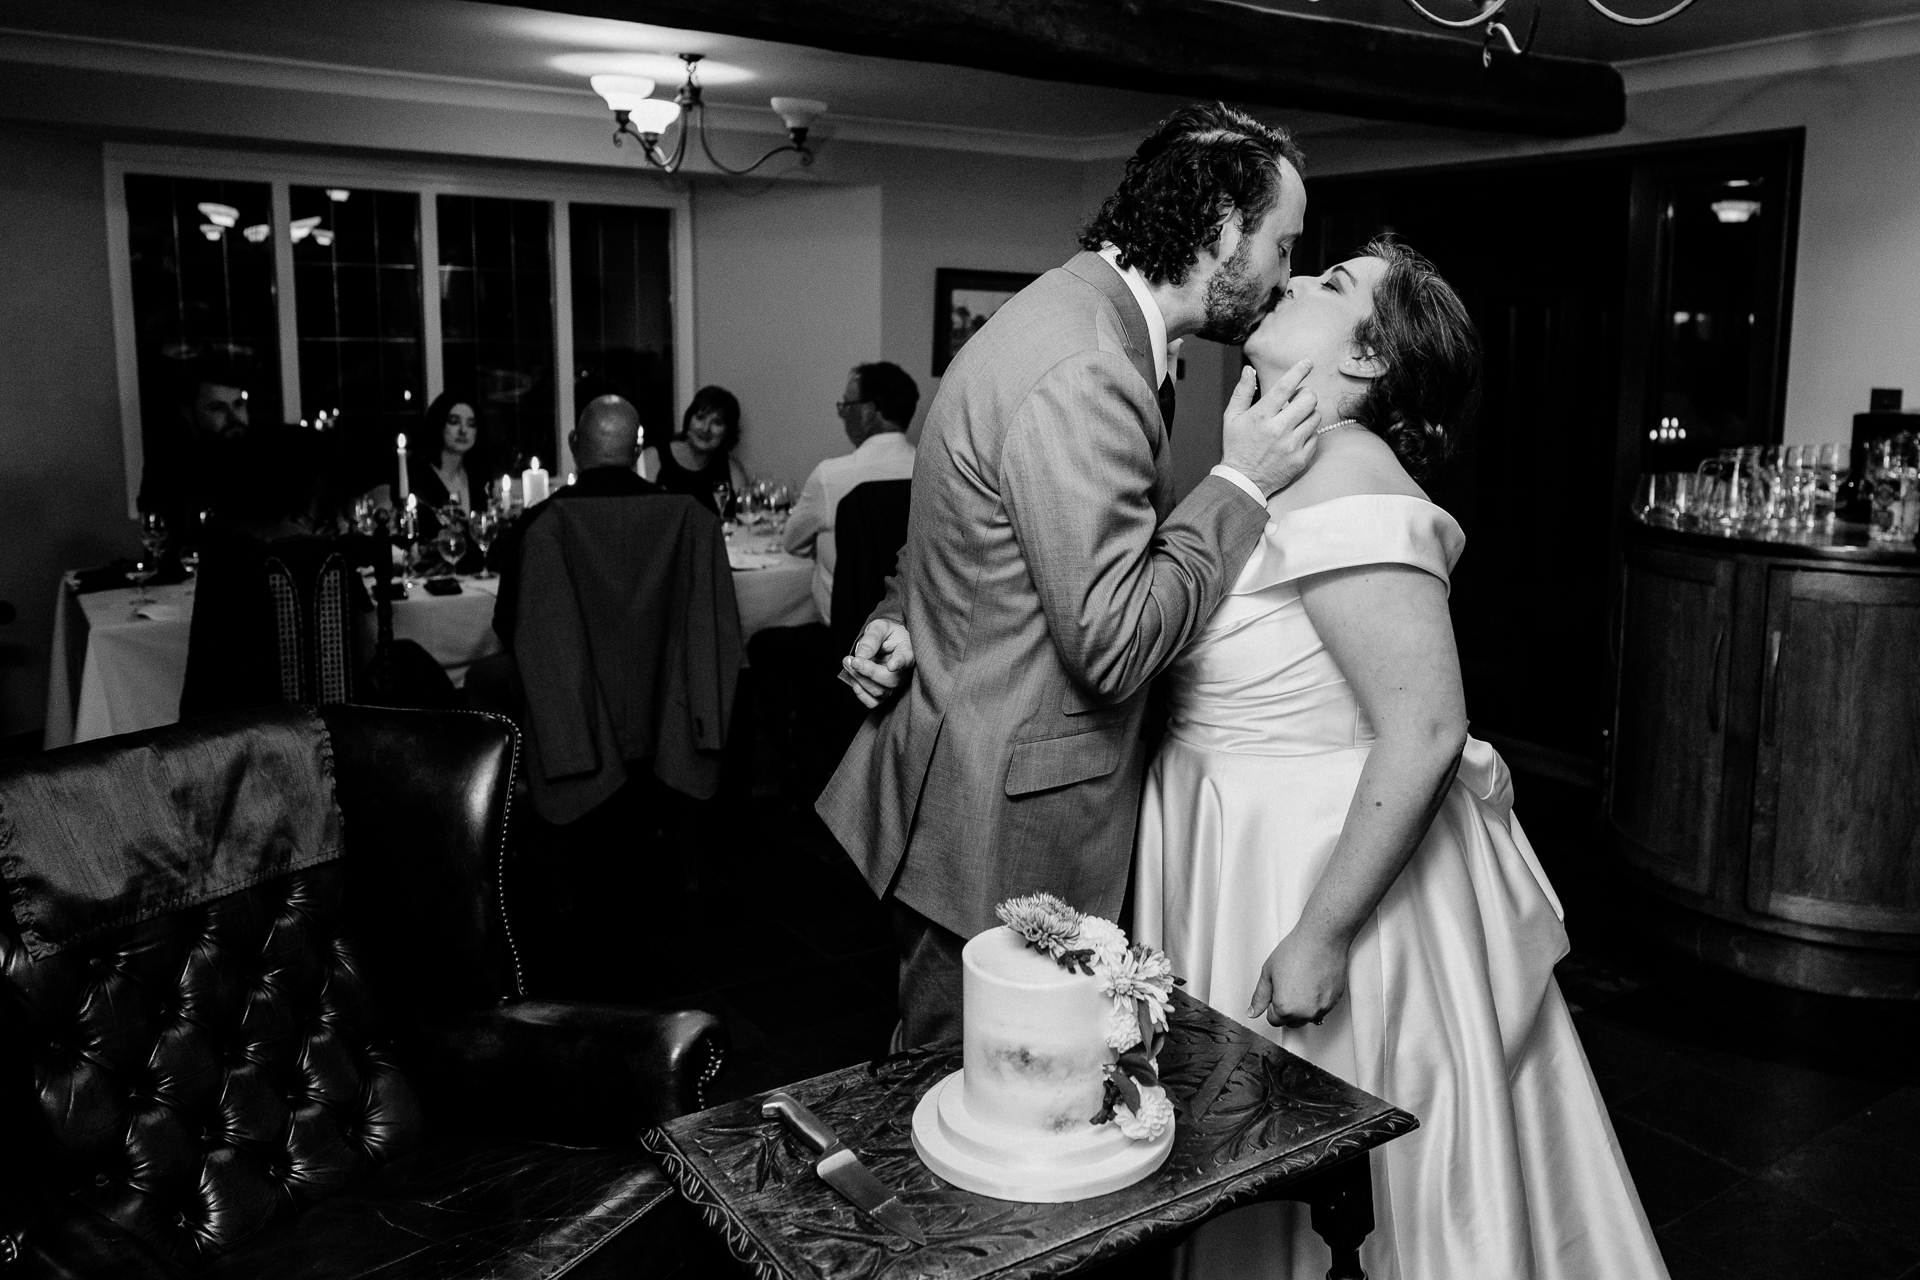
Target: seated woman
[700,459]
[449,468]
[1326,855]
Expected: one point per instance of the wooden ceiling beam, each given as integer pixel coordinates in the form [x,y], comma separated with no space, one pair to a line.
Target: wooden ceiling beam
[1226,49]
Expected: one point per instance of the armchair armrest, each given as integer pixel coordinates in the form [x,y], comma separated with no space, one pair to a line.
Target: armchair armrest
[568,1071]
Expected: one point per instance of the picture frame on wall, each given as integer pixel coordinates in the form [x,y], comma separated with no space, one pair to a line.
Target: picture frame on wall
[963,301]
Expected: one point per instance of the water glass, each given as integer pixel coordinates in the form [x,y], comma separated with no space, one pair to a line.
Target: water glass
[141,572]
[1830,467]
[484,527]
[1893,471]
[1645,491]
[451,543]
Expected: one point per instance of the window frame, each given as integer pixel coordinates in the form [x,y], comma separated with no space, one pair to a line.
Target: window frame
[426,179]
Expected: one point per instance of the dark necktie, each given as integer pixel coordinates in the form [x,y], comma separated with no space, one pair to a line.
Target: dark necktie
[1166,403]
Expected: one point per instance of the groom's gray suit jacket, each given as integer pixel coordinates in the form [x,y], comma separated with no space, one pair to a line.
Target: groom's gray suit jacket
[1044,584]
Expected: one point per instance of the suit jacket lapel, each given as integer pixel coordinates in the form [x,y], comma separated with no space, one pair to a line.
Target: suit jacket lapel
[1099,273]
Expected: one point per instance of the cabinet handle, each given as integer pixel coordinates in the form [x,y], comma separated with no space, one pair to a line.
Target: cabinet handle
[1773,682]
[1716,691]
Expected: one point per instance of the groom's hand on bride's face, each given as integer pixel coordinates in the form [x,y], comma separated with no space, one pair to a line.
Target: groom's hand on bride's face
[881,661]
[1270,440]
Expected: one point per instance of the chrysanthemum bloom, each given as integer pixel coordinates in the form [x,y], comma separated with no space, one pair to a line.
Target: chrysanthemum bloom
[1048,924]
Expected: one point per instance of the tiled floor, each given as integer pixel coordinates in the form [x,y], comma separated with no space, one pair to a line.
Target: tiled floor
[1772,1134]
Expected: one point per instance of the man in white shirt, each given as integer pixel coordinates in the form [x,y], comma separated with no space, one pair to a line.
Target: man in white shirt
[876,411]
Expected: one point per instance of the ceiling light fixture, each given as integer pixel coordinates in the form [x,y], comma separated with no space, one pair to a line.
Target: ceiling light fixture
[1499,33]
[639,115]
[1735,210]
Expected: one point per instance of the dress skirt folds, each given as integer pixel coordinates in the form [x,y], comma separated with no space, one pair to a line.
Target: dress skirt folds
[1452,1012]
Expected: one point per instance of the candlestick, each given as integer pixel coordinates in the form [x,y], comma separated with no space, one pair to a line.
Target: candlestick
[400,492]
[533,485]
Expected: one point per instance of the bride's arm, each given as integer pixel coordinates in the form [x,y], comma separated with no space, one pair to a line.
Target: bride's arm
[1387,627]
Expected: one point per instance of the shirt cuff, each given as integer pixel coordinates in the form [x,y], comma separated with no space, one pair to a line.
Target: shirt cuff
[1233,477]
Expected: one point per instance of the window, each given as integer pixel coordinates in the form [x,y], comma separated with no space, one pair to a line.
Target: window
[308,275]
[356,273]
[202,277]
[496,317]
[623,310]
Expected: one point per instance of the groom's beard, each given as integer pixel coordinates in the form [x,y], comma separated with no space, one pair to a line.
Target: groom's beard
[1235,304]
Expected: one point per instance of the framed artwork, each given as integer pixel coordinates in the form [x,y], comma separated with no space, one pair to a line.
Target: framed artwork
[965,300]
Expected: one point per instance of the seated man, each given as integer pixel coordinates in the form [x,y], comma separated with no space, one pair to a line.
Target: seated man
[193,463]
[606,445]
[876,413]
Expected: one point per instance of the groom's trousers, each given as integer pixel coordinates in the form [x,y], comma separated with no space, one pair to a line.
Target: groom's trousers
[930,978]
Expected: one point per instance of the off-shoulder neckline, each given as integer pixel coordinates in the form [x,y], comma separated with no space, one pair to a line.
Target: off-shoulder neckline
[1354,497]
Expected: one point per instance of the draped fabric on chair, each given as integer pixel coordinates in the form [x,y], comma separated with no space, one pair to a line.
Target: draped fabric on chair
[261,1019]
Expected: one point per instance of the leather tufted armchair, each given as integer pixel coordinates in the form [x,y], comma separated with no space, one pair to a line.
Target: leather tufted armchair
[317,1074]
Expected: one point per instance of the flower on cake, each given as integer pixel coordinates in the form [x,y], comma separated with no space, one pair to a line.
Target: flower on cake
[1123,1026]
[1049,925]
[1107,941]
[1142,975]
[1151,1120]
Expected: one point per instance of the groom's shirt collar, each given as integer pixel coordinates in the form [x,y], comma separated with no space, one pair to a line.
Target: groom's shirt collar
[1156,323]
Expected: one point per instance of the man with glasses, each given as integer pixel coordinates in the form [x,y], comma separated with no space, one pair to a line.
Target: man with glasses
[875,412]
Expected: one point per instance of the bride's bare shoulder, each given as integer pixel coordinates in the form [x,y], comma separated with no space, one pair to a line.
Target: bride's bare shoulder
[1350,461]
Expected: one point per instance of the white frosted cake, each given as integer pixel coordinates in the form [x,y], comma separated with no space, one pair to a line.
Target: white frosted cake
[1058,1097]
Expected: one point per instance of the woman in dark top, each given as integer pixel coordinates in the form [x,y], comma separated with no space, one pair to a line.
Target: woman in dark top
[700,458]
[446,465]
[449,467]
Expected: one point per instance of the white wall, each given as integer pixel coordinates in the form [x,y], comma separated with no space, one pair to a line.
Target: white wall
[1856,307]
[787,295]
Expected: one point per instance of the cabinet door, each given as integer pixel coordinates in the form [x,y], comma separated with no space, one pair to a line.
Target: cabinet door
[1670,714]
[1836,826]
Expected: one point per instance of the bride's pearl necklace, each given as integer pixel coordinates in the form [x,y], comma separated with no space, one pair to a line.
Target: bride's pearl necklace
[1335,426]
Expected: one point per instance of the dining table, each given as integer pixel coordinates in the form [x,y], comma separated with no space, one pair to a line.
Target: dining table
[118,667]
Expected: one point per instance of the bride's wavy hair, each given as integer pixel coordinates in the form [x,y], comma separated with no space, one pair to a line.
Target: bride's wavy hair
[1200,164]
[1421,332]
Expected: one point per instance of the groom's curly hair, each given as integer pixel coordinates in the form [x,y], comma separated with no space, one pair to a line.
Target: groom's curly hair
[1421,332]
[1200,164]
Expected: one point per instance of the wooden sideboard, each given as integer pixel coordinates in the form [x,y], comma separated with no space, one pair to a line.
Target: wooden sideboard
[1765,770]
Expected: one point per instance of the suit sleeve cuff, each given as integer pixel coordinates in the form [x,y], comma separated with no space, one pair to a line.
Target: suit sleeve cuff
[1233,477]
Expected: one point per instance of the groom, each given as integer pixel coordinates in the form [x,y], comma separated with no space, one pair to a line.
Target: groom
[1047,575]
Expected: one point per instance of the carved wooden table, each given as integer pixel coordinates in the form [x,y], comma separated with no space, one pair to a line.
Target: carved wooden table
[1260,1124]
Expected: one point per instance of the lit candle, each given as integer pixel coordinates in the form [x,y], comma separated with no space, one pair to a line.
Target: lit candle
[533,485]
[506,492]
[401,492]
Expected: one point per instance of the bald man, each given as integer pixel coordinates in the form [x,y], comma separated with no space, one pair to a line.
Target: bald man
[606,443]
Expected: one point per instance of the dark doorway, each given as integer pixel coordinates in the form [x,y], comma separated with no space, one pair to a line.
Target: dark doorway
[1574,269]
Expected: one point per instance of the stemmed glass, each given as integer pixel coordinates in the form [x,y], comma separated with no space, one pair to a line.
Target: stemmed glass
[190,550]
[723,501]
[484,527]
[1644,493]
[153,536]
[451,542]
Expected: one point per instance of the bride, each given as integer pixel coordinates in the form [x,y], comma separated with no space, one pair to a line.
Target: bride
[1326,855]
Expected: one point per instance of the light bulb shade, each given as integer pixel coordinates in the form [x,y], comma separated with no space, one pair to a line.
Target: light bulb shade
[651,116]
[1735,210]
[623,93]
[798,113]
[220,215]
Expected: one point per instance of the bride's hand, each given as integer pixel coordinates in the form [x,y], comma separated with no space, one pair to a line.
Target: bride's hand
[1301,982]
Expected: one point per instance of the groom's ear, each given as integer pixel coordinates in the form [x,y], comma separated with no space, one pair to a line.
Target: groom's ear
[1361,362]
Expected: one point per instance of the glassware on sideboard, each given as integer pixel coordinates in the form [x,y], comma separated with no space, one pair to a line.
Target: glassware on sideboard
[1893,477]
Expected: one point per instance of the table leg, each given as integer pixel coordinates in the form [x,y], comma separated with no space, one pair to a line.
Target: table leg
[1341,1199]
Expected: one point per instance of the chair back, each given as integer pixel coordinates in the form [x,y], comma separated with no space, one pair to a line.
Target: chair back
[869,528]
[272,624]
[200,1070]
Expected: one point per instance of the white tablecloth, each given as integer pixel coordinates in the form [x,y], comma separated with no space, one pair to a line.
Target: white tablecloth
[132,669]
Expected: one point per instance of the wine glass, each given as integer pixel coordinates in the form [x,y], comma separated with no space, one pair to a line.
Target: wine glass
[723,501]
[484,528]
[141,571]
[1644,490]
[451,542]
[190,548]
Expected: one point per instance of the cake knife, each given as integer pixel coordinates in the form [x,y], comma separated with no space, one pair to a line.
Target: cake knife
[840,1169]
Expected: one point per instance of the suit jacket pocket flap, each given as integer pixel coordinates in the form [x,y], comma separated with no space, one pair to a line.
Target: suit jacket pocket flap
[1060,762]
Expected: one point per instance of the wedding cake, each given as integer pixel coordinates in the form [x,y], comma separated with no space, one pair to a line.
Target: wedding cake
[1058,1096]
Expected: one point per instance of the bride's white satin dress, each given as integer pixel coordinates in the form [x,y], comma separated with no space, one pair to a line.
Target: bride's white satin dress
[1452,1012]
